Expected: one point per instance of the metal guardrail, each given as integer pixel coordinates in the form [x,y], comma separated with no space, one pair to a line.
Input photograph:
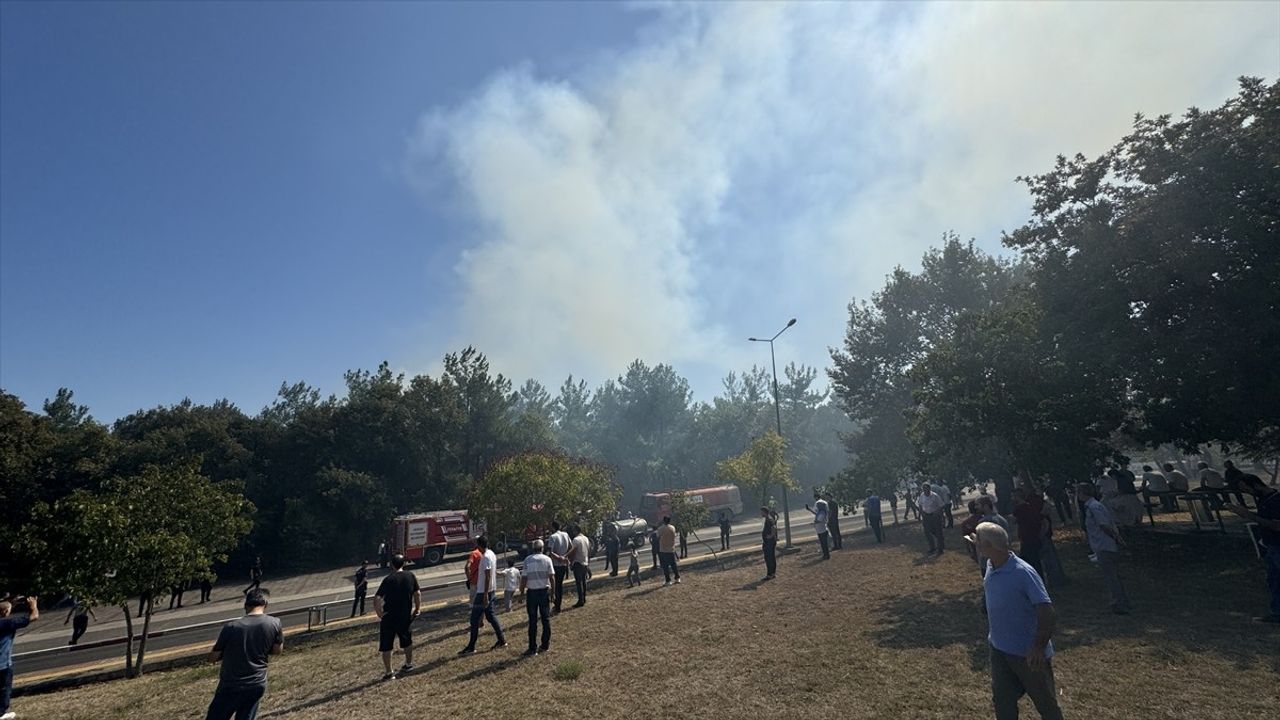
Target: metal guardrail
[202,625]
[283,613]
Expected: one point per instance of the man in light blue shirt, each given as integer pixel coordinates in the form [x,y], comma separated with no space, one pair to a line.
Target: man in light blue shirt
[1105,540]
[1021,621]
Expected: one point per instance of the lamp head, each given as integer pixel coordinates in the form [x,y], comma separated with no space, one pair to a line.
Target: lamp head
[792,322]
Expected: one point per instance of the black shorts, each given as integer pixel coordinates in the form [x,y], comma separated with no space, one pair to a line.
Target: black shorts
[391,628]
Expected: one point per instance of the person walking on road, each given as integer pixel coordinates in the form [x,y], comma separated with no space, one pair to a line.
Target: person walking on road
[9,627]
[833,521]
[397,604]
[558,545]
[931,505]
[484,582]
[536,580]
[667,551]
[820,526]
[1105,540]
[1020,625]
[769,543]
[206,589]
[611,545]
[726,529]
[580,559]
[653,547]
[243,647]
[255,576]
[1267,501]
[78,616]
[911,505]
[871,509]
[362,587]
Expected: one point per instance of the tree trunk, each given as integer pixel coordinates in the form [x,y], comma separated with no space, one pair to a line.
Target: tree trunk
[1275,471]
[142,642]
[128,639]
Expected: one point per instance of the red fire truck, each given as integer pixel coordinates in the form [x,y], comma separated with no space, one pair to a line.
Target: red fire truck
[720,500]
[425,538]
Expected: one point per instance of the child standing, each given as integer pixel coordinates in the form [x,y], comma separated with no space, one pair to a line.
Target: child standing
[511,578]
[633,570]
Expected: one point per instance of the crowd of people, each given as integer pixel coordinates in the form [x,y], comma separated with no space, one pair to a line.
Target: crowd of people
[1016,583]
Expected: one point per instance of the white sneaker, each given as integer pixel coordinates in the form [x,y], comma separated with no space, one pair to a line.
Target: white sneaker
[677,581]
[665,584]
[9,715]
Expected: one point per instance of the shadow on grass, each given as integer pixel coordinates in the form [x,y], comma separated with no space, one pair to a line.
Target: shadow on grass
[934,620]
[505,663]
[753,585]
[331,697]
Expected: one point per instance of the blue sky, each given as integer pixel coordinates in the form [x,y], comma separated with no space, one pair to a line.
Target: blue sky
[206,200]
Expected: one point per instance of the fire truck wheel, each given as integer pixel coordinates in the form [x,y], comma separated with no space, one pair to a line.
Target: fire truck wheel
[433,556]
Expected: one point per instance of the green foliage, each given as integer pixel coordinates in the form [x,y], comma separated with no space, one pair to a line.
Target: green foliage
[538,487]
[759,468]
[1157,262]
[892,334]
[997,385]
[136,536]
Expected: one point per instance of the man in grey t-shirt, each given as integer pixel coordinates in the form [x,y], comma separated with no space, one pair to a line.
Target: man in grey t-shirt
[243,646]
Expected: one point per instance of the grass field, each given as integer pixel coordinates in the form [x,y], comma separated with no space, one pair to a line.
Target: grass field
[877,632]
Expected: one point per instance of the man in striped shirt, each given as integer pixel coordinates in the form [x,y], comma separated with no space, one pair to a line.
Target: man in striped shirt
[537,579]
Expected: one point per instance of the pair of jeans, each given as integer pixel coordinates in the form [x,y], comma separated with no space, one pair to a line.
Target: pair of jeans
[482,606]
[1272,559]
[506,598]
[537,605]
[724,540]
[946,509]
[562,572]
[6,688]
[580,582]
[770,557]
[79,624]
[242,703]
[837,540]
[1011,678]
[358,600]
[826,548]
[1109,562]
[933,531]
[876,527]
[1030,554]
[669,565]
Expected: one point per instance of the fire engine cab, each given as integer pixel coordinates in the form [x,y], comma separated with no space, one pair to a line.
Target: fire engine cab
[426,538]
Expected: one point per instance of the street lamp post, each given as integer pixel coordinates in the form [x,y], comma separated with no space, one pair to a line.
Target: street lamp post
[777,415]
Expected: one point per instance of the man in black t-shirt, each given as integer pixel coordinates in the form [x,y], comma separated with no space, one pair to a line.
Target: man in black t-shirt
[397,603]
[243,647]
[769,542]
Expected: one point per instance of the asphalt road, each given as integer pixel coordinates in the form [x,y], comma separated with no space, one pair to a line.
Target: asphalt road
[746,533]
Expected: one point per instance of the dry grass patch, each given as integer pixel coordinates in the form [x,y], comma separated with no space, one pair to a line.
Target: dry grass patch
[877,632]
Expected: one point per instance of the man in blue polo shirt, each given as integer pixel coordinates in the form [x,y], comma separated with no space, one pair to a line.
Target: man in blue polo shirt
[1021,621]
[9,627]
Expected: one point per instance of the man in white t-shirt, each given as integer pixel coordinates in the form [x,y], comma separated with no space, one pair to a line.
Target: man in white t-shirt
[579,556]
[931,505]
[511,582]
[558,550]
[484,582]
